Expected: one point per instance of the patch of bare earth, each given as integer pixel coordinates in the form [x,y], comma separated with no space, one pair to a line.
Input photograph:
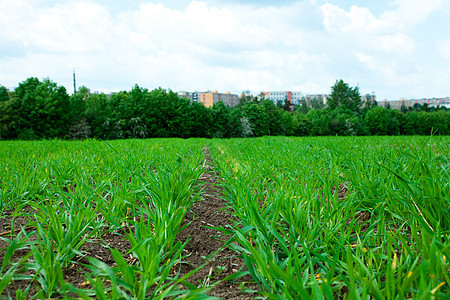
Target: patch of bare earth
[204,241]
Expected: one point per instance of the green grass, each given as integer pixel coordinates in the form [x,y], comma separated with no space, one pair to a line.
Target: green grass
[300,240]
[387,238]
[76,191]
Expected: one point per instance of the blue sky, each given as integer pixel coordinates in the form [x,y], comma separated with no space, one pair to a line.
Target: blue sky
[397,49]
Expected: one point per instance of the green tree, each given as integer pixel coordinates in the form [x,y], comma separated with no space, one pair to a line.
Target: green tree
[286,122]
[4,94]
[302,108]
[344,122]
[118,124]
[338,124]
[428,122]
[78,102]
[381,121]
[404,109]
[246,98]
[403,127]
[417,107]
[97,113]
[200,121]
[80,127]
[127,110]
[356,126]
[55,115]
[25,107]
[257,118]
[320,121]
[301,124]
[344,95]
[226,121]
[176,114]
[412,122]
[237,121]
[286,105]
[273,118]
[164,114]
[41,109]
[317,103]
[6,116]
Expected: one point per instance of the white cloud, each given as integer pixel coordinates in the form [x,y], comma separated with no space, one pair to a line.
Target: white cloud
[357,20]
[225,46]
[361,28]
[375,65]
[397,43]
[194,48]
[409,13]
[57,29]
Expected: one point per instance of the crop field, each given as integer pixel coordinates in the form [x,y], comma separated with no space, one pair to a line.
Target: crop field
[270,217]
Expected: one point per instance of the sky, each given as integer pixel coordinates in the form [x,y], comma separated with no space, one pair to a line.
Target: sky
[393,48]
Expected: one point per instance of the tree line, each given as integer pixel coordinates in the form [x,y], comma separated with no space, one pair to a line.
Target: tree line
[43,109]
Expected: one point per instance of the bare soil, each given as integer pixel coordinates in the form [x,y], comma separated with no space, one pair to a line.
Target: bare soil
[204,241]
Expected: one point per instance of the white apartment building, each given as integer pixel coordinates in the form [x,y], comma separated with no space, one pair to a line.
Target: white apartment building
[294,98]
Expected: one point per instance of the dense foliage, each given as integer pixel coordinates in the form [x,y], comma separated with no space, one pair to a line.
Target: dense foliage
[42,109]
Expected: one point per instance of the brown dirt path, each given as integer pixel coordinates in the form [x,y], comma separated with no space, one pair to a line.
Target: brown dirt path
[211,211]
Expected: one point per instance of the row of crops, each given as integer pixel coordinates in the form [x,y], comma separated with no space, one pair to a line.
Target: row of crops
[317,218]
[68,196]
[355,218]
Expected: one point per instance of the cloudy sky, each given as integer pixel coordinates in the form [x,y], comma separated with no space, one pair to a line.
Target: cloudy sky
[395,48]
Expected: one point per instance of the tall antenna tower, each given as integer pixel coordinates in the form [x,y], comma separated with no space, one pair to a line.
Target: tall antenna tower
[74,82]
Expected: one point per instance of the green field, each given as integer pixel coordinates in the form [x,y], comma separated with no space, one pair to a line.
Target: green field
[316,217]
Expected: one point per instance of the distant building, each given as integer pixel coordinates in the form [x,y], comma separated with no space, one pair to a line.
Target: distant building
[368,99]
[211,97]
[294,98]
[193,97]
[407,103]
